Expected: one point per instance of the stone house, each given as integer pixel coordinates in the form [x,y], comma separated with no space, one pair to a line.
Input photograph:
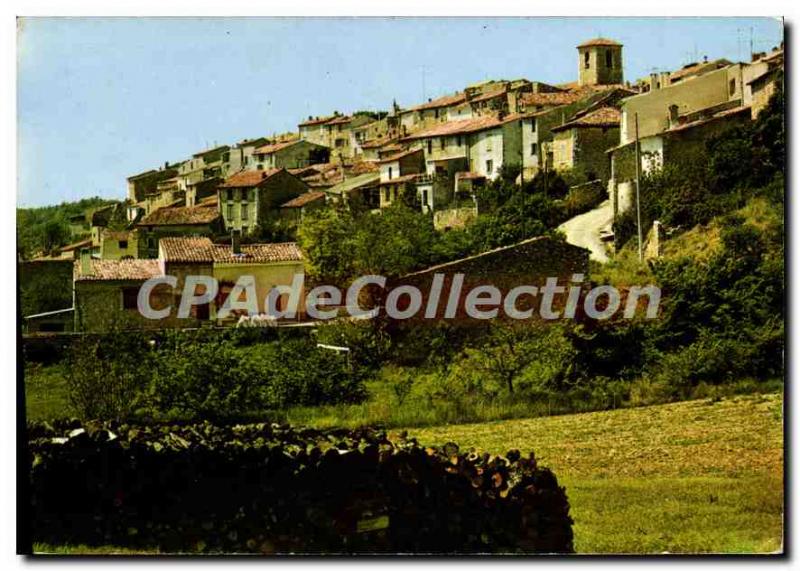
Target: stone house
[294,210]
[106,291]
[398,173]
[249,198]
[338,131]
[433,112]
[766,80]
[203,165]
[360,191]
[119,244]
[580,144]
[529,263]
[313,130]
[201,220]
[288,155]
[240,156]
[145,183]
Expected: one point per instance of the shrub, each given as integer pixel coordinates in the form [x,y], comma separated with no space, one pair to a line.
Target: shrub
[272,489]
[107,374]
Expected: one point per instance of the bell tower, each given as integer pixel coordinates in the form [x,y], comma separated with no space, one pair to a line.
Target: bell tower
[600,62]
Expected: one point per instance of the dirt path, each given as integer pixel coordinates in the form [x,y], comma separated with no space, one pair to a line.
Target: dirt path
[584,230]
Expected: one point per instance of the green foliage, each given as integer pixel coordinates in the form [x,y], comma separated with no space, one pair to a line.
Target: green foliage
[107,375]
[44,228]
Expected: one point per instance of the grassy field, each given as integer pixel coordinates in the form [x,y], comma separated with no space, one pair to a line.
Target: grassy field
[698,476]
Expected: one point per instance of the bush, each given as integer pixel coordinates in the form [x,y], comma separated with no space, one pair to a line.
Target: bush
[107,374]
[273,489]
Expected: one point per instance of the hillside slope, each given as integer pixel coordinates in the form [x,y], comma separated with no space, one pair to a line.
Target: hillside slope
[697,476]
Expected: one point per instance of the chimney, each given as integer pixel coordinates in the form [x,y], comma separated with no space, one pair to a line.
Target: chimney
[654,83]
[236,245]
[705,59]
[86,262]
[665,79]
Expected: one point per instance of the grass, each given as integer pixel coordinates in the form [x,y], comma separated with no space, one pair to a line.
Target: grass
[698,476]
[46,392]
[695,477]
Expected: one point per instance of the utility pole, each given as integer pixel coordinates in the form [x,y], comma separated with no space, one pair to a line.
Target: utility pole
[638,197]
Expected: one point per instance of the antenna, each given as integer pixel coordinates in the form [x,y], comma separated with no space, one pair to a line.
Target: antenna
[423,84]
[751,43]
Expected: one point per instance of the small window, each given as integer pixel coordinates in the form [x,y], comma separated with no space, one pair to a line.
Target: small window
[533,149]
[130,296]
[489,167]
[441,143]
[390,173]
[458,141]
[123,244]
[430,146]
[244,210]
[533,125]
[586,60]
[230,212]
[733,86]
[609,59]
[386,194]
[436,113]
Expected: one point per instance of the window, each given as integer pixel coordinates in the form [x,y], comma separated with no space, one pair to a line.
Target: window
[489,167]
[733,86]
[441,143]
[533,125]
[458,140]
[386,196]
[244,211]
[230,212]
[586,60]
[533,149]
[436,113]
[123,244]
[430,146]
[130,296]
[609,59]
[390,173]
[425,197]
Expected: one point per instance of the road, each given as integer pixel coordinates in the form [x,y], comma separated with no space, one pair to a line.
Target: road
[584,230]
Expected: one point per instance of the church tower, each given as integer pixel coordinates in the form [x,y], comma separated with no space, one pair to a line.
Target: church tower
[600,62]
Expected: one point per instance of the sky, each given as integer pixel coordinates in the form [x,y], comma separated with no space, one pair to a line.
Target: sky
[101,99]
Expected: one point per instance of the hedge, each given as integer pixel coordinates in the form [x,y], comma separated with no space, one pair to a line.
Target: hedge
[268,488]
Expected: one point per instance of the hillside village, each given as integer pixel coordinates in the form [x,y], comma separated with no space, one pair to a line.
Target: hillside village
[211,209]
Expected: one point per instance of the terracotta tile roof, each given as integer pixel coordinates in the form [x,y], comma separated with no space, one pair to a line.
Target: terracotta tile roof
[118,270]
[76,245]
[362,167]
[568,96]
[249,178]
[462,126]
[400,155]
[180,216]
[202,250]
[315,121]
[714,117]
[340,120]
[275,147]
[208,202]
[186,249]
[303,199]
[599,42]
[601,117]
[255,253]
[378,142]
[489,95]
[697,68]
[445,101]
[400,179]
